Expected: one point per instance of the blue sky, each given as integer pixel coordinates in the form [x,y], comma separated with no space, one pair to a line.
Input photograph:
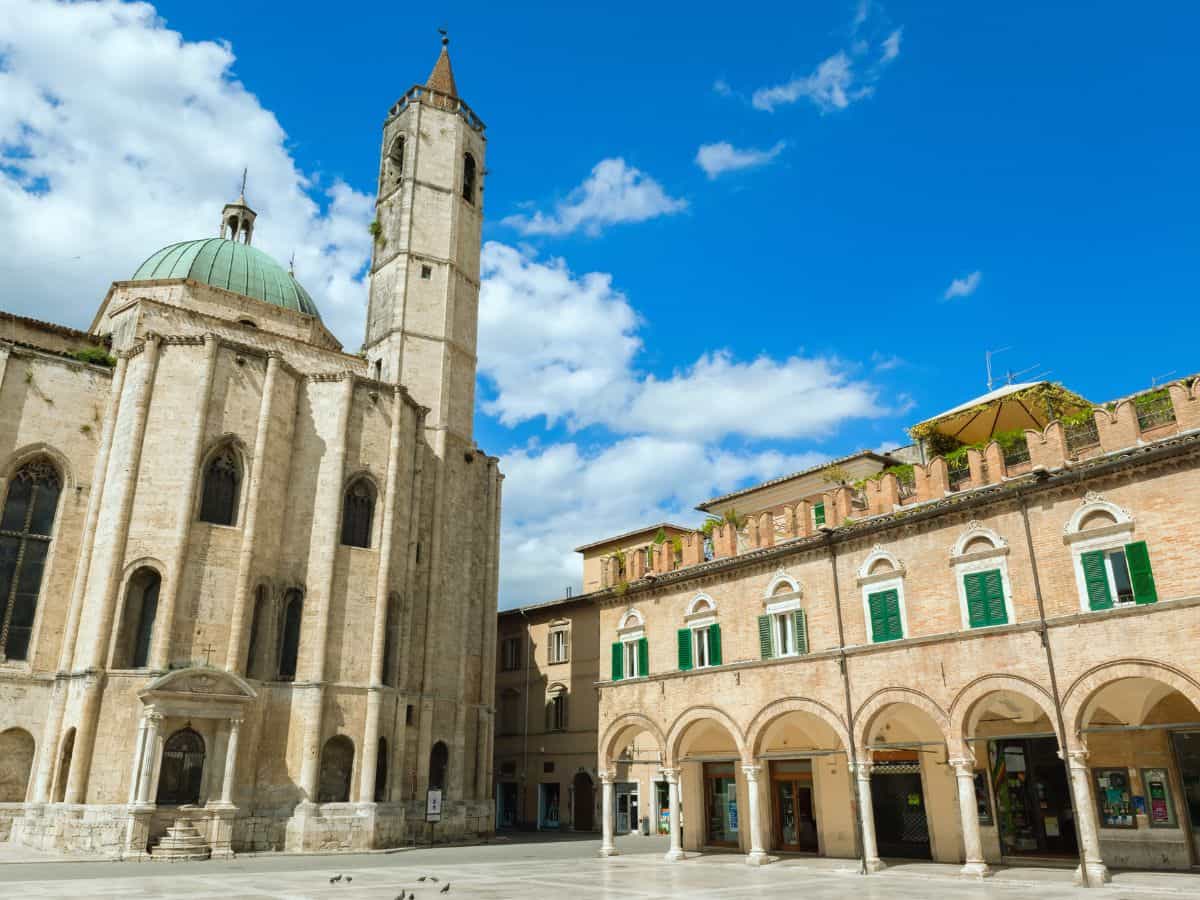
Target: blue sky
[680,331]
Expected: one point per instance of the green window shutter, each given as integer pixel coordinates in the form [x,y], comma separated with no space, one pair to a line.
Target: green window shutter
[800,621]
[1095,577]
[993,586]
[1138,559]
[643,657]
[895,627]
[764,636]
[976,607]
[878,604]
[684,636]
[618,661]
[819,514]
[714,644]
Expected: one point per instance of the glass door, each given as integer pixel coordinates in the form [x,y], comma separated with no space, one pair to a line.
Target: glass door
[795,822]
[1187,755]
[720,805]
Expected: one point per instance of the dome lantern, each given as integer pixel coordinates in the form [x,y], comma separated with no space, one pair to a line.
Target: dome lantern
[237,219]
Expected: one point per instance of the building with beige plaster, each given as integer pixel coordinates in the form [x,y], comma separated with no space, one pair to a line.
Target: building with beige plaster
[248,580]
[980,649]
[548,665]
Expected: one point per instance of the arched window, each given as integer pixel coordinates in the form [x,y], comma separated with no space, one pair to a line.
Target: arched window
[358,510]
[980,561]
[439,759]
[25,533]
[469,178]
[337,762]
[381,773]
[182,769]
[137,622]
[222,481]
[289,636]
[16,761]
[256,652]
[64,766]
[556,708]
[396,159]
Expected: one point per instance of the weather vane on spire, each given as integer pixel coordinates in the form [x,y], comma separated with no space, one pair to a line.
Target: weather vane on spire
[445,33]
[245,171]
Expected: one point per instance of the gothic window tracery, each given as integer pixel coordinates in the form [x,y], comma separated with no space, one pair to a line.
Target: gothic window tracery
[25,536]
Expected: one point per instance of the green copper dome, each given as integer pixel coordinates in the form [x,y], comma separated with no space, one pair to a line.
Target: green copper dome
[230,265]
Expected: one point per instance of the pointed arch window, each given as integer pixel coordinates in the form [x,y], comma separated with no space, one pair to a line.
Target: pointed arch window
[26,526]
[289,637]
[469,178]
[254,667]
[222,485]
[358,512]
[396,159]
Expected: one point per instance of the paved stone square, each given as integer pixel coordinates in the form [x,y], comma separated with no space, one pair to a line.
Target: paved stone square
[566,868]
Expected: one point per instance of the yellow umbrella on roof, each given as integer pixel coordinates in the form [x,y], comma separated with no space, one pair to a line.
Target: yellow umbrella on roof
[1010,408]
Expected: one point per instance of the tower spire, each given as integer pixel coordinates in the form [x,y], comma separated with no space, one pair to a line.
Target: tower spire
[441,79]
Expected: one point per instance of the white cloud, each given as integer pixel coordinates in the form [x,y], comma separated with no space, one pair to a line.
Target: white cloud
[891,46]
[716,159]
[563,347]
[721,87]
[107,155]
[963,287]
[564,495]
[613,193]
[830,87]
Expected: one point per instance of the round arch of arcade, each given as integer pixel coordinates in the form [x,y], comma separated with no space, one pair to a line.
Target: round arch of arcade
[772,712]
[1078,696]
[881,701]
[965,709]
[624,727]
[689,717]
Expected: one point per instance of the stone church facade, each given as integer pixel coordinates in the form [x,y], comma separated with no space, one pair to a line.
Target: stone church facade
[248,580]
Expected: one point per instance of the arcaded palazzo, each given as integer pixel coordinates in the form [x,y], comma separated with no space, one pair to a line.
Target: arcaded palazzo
[248,579]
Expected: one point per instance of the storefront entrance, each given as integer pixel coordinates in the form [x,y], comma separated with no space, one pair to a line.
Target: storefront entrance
[506,804]
[1033,798]
[662,806]
[627,807]
[548,808]
[720,805]
[795,823]
[1187,755]
[901,828]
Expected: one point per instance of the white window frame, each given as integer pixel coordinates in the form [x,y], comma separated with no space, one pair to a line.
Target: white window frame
[1103,538]
[890,579]
[552,653]
[629,646]
[782,614]
[700,647]
[983,560]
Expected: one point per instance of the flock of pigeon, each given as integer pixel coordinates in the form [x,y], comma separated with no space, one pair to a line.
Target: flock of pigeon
[411,895]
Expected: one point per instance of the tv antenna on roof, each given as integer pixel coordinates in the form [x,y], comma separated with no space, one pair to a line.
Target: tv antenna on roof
[1163,377]
[987,356]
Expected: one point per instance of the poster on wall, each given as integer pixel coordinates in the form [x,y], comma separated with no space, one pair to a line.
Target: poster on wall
[1158,798]
[433,805]
[733,816]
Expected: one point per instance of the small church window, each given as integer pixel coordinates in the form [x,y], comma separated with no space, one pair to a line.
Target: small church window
[426,272]
[469,178]
[289,642]
[25,526]
[137,623]
[358,509]
[222,480]
[439,759]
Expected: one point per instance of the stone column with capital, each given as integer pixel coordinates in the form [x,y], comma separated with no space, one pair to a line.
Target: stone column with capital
[1092,870]
[757,855]
[866,806]
[607,848]
[676,849]
[974,865]
[139,760]
[149,754]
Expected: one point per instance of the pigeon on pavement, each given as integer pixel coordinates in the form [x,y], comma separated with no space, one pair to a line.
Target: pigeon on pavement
[446,889]
[422,878]
[335,879]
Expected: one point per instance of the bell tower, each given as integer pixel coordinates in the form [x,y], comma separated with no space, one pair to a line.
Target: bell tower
[424,282]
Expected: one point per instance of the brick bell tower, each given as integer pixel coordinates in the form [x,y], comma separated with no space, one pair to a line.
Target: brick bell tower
[424,283]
